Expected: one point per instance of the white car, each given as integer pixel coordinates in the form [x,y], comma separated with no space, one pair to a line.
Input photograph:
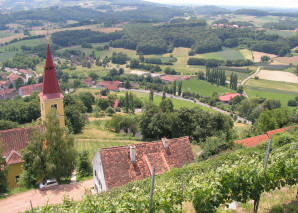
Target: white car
[48,184]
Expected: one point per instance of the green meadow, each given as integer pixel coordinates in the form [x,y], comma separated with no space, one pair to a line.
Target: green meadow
[30,43]
[225,54]
[204,88]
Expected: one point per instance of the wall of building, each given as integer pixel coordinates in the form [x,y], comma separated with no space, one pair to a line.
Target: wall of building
[45,106]
[98,174]
[12,171]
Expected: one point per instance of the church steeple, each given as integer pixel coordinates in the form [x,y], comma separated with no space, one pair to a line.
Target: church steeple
[50,82]
[51,95]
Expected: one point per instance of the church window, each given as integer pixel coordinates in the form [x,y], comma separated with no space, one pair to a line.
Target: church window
[17,178]
[54,106]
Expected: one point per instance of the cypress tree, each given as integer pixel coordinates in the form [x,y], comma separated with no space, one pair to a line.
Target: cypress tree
[163,95]
[231,80]
[174,88]
[151,95]
[126,102]
[179,88]
[131,106]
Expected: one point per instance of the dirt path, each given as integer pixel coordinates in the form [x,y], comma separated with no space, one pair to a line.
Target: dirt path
[21,201]
[244,81]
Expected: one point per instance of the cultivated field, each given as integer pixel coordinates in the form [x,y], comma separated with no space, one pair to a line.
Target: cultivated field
[204,88]
[286,60]
[278,76]
[247,54]
[257,55]
[283,33]
[10,38]
[30,43]
[288,88]
[225,54]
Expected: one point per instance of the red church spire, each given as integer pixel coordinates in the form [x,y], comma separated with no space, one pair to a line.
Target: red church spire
[50,87]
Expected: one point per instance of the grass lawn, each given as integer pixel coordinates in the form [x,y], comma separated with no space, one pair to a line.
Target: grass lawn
[277,85]
[204,88]
[177,103]
[247,54]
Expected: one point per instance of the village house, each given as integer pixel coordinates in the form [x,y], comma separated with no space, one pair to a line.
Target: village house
[30,89]
[228,97]
[89,82]
[111,85]
[7,93]
[117,166]
[14,140]
[28,74]
[169,78]
[13,77]
[4,84]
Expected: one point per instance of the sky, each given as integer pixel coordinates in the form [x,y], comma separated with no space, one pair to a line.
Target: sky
[251,3]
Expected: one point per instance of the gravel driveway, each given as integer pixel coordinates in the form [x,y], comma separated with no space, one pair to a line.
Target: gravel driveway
[21,201]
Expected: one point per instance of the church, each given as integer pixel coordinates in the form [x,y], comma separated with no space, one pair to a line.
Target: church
[14,140]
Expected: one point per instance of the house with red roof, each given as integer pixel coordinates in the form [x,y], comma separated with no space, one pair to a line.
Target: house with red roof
[228,97]
[117,166]
[7,93]
[14,140]
[111,85]
[256,140]
[30,89]
[4,84]
[13,77]
[89,82]
[169,78]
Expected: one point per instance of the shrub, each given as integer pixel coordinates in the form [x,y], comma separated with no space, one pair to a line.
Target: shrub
[292,103]
[84,167]
[257,77]
[296,98]
[110,111]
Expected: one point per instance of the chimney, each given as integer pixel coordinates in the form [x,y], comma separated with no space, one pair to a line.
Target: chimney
[132,154]
[165,143]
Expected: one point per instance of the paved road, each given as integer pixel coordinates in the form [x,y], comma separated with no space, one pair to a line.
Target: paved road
[244,81]
[21,201]
[184,99]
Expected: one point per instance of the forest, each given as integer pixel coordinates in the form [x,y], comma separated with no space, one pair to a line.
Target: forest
[193,34]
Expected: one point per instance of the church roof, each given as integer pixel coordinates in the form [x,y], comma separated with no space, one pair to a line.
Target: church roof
[50,87]
[119,169]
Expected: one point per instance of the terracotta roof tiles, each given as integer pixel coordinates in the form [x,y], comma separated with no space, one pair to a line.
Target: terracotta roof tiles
[119,170]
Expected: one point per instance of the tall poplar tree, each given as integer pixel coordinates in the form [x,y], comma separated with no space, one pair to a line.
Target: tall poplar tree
[151,95]
[126,102]
[174,88]
[179,88]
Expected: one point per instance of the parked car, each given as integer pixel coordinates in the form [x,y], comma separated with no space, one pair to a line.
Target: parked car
[48,184]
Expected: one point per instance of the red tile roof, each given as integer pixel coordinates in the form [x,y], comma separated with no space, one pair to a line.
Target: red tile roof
[105,83]
[13,77]
[228,97]
[14,140]
[170,78]
[119,170]
[7,91]
[254,141]
[30,89]
[2,83]
[116,103]
[112,87]
[50,88]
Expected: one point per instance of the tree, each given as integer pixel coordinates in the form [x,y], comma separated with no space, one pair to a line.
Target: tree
[127,84]
[131,103]
[201,75]
[266,122]
[151,95]
[77,83]
[126,102]
[3,180]
[19,83]
[88,99]
[265,58]
[240,89]
[49,154]
[163,95]
[93,75]
[84,167]
[179,88]
[166,105]
[292,103]
[174,88]
[103,103]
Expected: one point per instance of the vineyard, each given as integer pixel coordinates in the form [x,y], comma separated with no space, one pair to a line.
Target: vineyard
[236,176]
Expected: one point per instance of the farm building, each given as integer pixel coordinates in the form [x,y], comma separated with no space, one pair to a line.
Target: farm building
[116,166]
[228,97]
[111,85]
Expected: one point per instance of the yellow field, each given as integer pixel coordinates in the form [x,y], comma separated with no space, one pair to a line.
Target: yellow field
[278,76]
[286,60]
[247,54]
[258,55]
